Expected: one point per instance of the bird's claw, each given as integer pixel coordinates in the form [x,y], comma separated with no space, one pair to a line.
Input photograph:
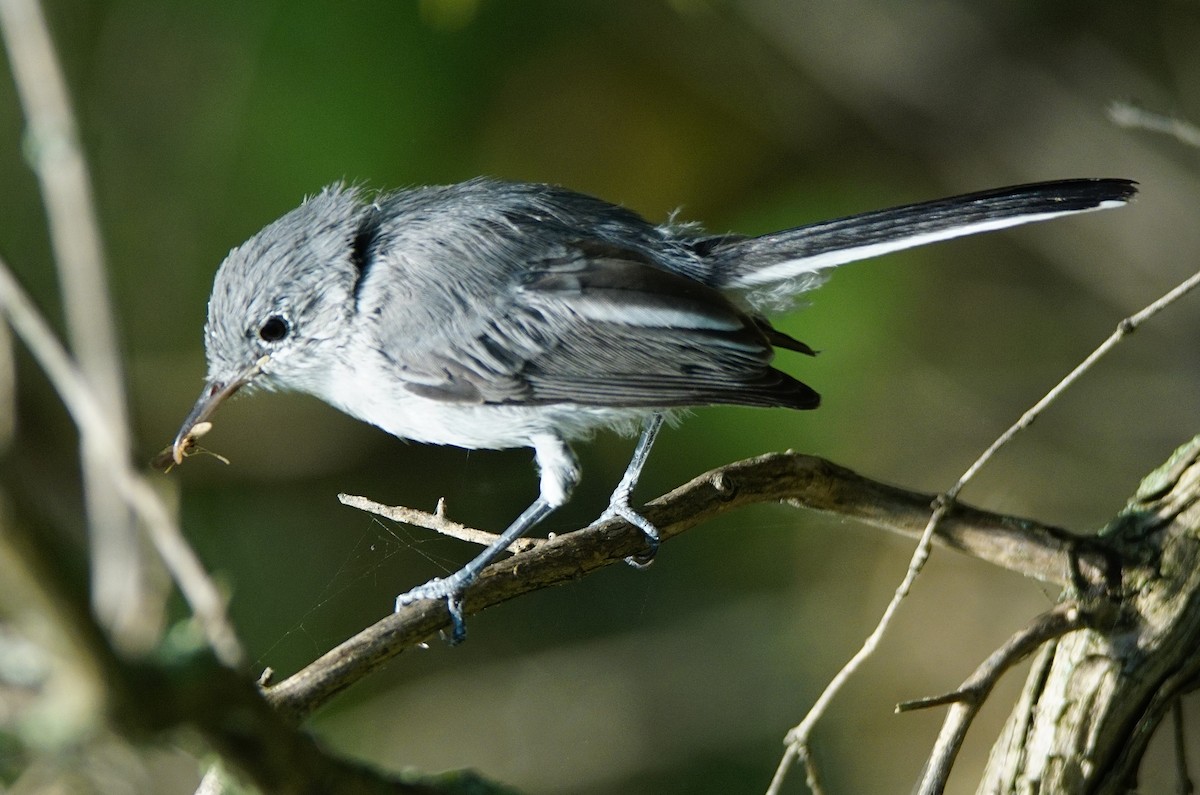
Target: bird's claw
[619,508]
[448,589]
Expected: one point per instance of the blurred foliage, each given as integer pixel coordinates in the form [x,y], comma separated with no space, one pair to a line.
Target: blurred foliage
[204,121]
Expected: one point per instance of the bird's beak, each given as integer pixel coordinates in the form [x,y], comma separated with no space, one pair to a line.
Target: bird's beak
[212,396]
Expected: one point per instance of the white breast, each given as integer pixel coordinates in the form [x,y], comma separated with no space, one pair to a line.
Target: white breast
[375,396]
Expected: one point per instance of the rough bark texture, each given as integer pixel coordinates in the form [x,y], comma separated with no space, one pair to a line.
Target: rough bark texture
[1094,698]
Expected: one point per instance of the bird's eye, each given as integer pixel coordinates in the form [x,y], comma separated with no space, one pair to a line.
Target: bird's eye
[274,329]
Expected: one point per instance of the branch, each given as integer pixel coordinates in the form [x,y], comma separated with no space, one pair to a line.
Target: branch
[1123,330]
[40,589]
[90,418]
[1022,545]
[436,521]
[1025,546]
[119,585]
[1092,703]
[967,700]
[798,737]
[1130,116]
[57,158]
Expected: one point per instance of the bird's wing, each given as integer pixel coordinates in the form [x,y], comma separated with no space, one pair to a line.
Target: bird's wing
[592,324]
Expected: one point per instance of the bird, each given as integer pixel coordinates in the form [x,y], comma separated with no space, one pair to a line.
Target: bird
[493,314]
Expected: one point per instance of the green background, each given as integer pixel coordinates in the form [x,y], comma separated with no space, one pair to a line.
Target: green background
[203,121]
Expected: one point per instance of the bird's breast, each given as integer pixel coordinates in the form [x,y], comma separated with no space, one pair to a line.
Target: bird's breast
[373,395]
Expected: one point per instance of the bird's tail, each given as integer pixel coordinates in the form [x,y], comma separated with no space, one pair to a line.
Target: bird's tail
[774,268]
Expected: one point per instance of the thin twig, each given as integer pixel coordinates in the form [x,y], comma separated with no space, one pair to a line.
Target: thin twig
[967,700]
[90,418]
[434,521]
[1123,330]
[52,143]
[800,734]
[1124,114]
[119,590]
[812,774]
[790,754]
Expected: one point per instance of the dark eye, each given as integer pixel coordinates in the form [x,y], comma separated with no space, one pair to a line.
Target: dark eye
[274,329]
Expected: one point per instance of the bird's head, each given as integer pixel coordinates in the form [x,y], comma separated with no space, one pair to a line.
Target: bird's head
[282,303]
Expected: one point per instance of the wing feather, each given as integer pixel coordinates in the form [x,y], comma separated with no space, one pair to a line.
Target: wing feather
[591,324]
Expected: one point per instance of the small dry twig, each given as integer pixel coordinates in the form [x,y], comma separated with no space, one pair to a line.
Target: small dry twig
[436,521]
[1128,115]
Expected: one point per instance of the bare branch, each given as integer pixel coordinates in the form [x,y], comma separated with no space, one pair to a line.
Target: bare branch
[799,735]
[436,521]
[967,700]
[119,584]
[97,434]
[143,697]
[1042,551]
[57,158]
[1124,114]
[1123,330]
[790,754]
[1026,546]
[1093,700]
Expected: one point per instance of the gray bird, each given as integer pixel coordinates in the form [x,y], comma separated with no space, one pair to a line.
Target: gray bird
[495,314]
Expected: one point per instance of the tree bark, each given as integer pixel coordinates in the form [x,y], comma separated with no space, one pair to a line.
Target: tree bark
[1094,698]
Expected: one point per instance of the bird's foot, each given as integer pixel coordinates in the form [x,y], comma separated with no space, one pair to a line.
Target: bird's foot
[619,508]
[450,589]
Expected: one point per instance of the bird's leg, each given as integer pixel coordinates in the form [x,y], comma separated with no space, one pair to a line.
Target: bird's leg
[559,474]
[618,504]
[452,588]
